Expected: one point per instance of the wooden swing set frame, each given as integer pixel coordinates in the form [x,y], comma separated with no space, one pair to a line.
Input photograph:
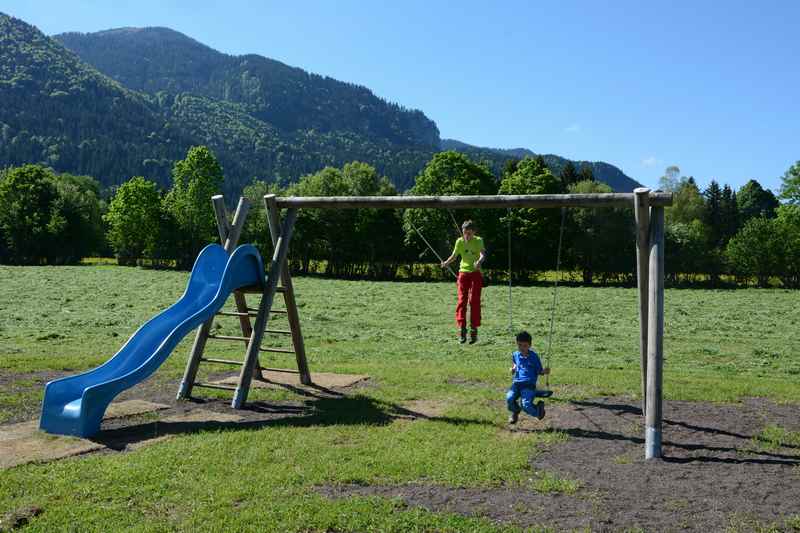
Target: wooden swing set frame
[649,216]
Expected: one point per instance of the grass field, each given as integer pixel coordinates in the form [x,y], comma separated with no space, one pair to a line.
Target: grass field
[719,346]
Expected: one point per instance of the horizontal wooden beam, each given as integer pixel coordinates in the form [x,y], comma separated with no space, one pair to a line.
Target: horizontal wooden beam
[658,199]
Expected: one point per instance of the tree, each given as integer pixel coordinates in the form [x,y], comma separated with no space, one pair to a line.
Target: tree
[790,189]
[30,221]
[569,175]
[586,173]
[669,182]
[729,214]
[600,239]
[134,220]
[755,201]
[196,179]
[787,224]
[687,203]
[449,173]
[532,229]
[754,251]
[79,204]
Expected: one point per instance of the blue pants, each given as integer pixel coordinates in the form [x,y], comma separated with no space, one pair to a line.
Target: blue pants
[525,391]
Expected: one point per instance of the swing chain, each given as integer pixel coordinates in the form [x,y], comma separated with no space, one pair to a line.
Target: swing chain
[555,297]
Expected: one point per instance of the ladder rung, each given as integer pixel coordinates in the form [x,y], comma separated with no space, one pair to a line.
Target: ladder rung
[276,350]
[213,386]
[255,311]
[280,331]
[228,337]
[285,370]
[255,289]
[235,313]
[221,361]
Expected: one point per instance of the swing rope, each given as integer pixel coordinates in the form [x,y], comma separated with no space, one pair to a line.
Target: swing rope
[549,352]
[431,247]
[555,297]
[510,307]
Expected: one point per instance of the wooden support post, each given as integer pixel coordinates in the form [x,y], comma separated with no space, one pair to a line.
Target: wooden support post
[655,336]
[273,217]
[642,213]
[229,236]
[262,319]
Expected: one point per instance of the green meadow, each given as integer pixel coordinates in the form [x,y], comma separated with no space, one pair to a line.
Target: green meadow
[719,346]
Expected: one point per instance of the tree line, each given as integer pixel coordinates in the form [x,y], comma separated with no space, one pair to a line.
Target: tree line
[715,236]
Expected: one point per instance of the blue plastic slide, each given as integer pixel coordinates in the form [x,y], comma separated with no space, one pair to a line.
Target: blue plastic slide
[75,405]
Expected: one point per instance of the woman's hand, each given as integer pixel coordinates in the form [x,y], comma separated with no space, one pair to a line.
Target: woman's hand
[477,265]
[444,264]
[513,368]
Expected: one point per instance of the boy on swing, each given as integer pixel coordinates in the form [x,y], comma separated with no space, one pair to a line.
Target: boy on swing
[526,370]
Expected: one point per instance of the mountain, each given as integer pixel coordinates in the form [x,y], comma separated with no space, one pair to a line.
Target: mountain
[127,102]
[61,112]
[159,59]
[497,157]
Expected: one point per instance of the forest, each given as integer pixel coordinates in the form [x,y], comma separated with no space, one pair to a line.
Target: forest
[715,236]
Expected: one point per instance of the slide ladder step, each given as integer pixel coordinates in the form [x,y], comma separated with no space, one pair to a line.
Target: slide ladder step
[228,337]
[213,386]
[221,361]
[276,350]
[236,313]
[272,311]
[278,331]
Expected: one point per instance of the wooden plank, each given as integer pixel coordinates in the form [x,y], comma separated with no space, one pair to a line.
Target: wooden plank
[228,337]
[478,201]
[214,386]
[273,218]
[221,361]
[277,350]
[655,336]
[278,260]
[642,215]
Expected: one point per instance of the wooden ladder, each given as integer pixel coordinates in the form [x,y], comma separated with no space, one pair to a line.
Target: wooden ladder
[252,334]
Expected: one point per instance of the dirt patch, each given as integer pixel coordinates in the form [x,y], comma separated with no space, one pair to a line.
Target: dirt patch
[499,505]
[422,409]
[149,413]
[22,443]
[715,472]
[292,377]
[19,518]
[713,468]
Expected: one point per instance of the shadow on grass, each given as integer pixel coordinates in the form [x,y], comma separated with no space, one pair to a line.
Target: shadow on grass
[323,407]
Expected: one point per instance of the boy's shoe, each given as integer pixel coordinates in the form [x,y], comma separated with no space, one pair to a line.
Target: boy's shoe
[513,418]
[473,335]
[463,338]
[540,408]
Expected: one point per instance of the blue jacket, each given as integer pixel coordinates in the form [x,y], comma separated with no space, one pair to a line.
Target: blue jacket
[528,367]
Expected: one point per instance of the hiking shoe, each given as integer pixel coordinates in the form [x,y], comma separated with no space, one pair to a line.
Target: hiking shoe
[463,338]
[540,408]
[473,336]
[513,418]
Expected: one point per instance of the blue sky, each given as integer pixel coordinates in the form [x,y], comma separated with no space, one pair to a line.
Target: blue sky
[710,86]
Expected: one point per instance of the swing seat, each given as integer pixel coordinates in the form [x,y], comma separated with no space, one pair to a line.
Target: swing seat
[542,393]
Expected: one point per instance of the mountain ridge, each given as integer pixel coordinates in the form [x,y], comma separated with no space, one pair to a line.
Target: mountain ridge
[73,117]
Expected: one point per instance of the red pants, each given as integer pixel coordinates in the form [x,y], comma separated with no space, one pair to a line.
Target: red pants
[469,291]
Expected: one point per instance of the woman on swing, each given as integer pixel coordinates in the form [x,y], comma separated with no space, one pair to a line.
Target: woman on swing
[470,281]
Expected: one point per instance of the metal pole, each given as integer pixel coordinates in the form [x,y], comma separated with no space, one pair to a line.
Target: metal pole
[655,336]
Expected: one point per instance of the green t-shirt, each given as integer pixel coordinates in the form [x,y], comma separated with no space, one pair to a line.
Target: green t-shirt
[469,251]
